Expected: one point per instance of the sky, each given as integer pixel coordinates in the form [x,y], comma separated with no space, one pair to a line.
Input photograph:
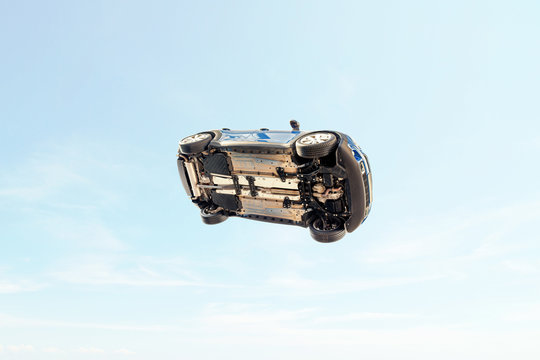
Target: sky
[103,256]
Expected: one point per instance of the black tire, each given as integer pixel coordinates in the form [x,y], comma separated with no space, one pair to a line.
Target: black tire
[333,231]
[212,218]
[316,145]
[195,143]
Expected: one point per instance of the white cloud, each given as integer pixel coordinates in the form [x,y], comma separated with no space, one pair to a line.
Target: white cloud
[124,352]
[524,313]
[85,232]
[522,266]
[15,321]
[129,271]
[42,176]
[257,319]
[254,317]
[465,236]
[51,350]
[296,285]
[60,190]
[20,348]
[256,326]
[12,287]
[90,350]
[362,316]
[236,316]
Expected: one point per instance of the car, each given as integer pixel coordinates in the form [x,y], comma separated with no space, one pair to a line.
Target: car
[316,179]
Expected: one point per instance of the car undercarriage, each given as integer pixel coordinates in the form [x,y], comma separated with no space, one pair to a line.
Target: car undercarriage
[309,179]
[265,186]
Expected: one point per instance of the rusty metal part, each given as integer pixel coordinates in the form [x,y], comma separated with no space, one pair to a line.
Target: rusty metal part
[329,194]
[318,188]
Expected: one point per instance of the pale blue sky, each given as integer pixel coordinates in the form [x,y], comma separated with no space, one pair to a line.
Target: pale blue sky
[103,256]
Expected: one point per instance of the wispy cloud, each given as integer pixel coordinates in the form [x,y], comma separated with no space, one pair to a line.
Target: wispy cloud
[267,319]
[124,352]
[350,317]
[43,175]
[14,321]
[62,191]
[90,350]
[130,271]
[263,316]
[296,285]
[25,348]
[12,287]
[20,348]
[526,312]
[252,317]
[259,325]
[84,232]
[460,235]
[523,266]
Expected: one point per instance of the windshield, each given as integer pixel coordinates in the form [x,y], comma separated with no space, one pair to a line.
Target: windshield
[282,137]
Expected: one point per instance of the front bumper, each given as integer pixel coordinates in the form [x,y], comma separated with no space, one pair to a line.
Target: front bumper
[356,192]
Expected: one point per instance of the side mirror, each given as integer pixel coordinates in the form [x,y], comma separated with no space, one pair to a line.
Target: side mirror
[295,125]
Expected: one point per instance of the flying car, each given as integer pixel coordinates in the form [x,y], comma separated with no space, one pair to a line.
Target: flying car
[316,179]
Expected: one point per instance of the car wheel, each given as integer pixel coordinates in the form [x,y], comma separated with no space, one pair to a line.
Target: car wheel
[212,217]
[195,143]
[327,230]
[316,145]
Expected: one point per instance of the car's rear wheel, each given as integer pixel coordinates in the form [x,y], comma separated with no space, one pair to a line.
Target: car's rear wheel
[211,216]
[316,145]
[195,143]
[327,230]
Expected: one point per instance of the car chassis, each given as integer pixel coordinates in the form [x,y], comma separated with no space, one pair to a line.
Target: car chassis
[320,180]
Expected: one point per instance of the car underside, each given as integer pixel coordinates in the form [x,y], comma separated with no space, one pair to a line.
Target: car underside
[272,182]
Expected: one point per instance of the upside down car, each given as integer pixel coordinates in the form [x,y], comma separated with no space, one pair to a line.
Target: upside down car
[316,179]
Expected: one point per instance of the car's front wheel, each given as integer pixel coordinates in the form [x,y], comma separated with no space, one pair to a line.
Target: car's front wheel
[327,230]
[211,216]
[195,143]
[316,145]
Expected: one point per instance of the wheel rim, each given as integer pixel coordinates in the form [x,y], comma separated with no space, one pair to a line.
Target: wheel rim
[195,138]
[331,224]
[208,211]
[316,138]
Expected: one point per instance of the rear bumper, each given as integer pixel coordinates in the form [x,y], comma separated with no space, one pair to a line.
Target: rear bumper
[183,177]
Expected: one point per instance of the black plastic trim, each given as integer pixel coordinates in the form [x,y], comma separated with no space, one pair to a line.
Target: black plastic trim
[274,220]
